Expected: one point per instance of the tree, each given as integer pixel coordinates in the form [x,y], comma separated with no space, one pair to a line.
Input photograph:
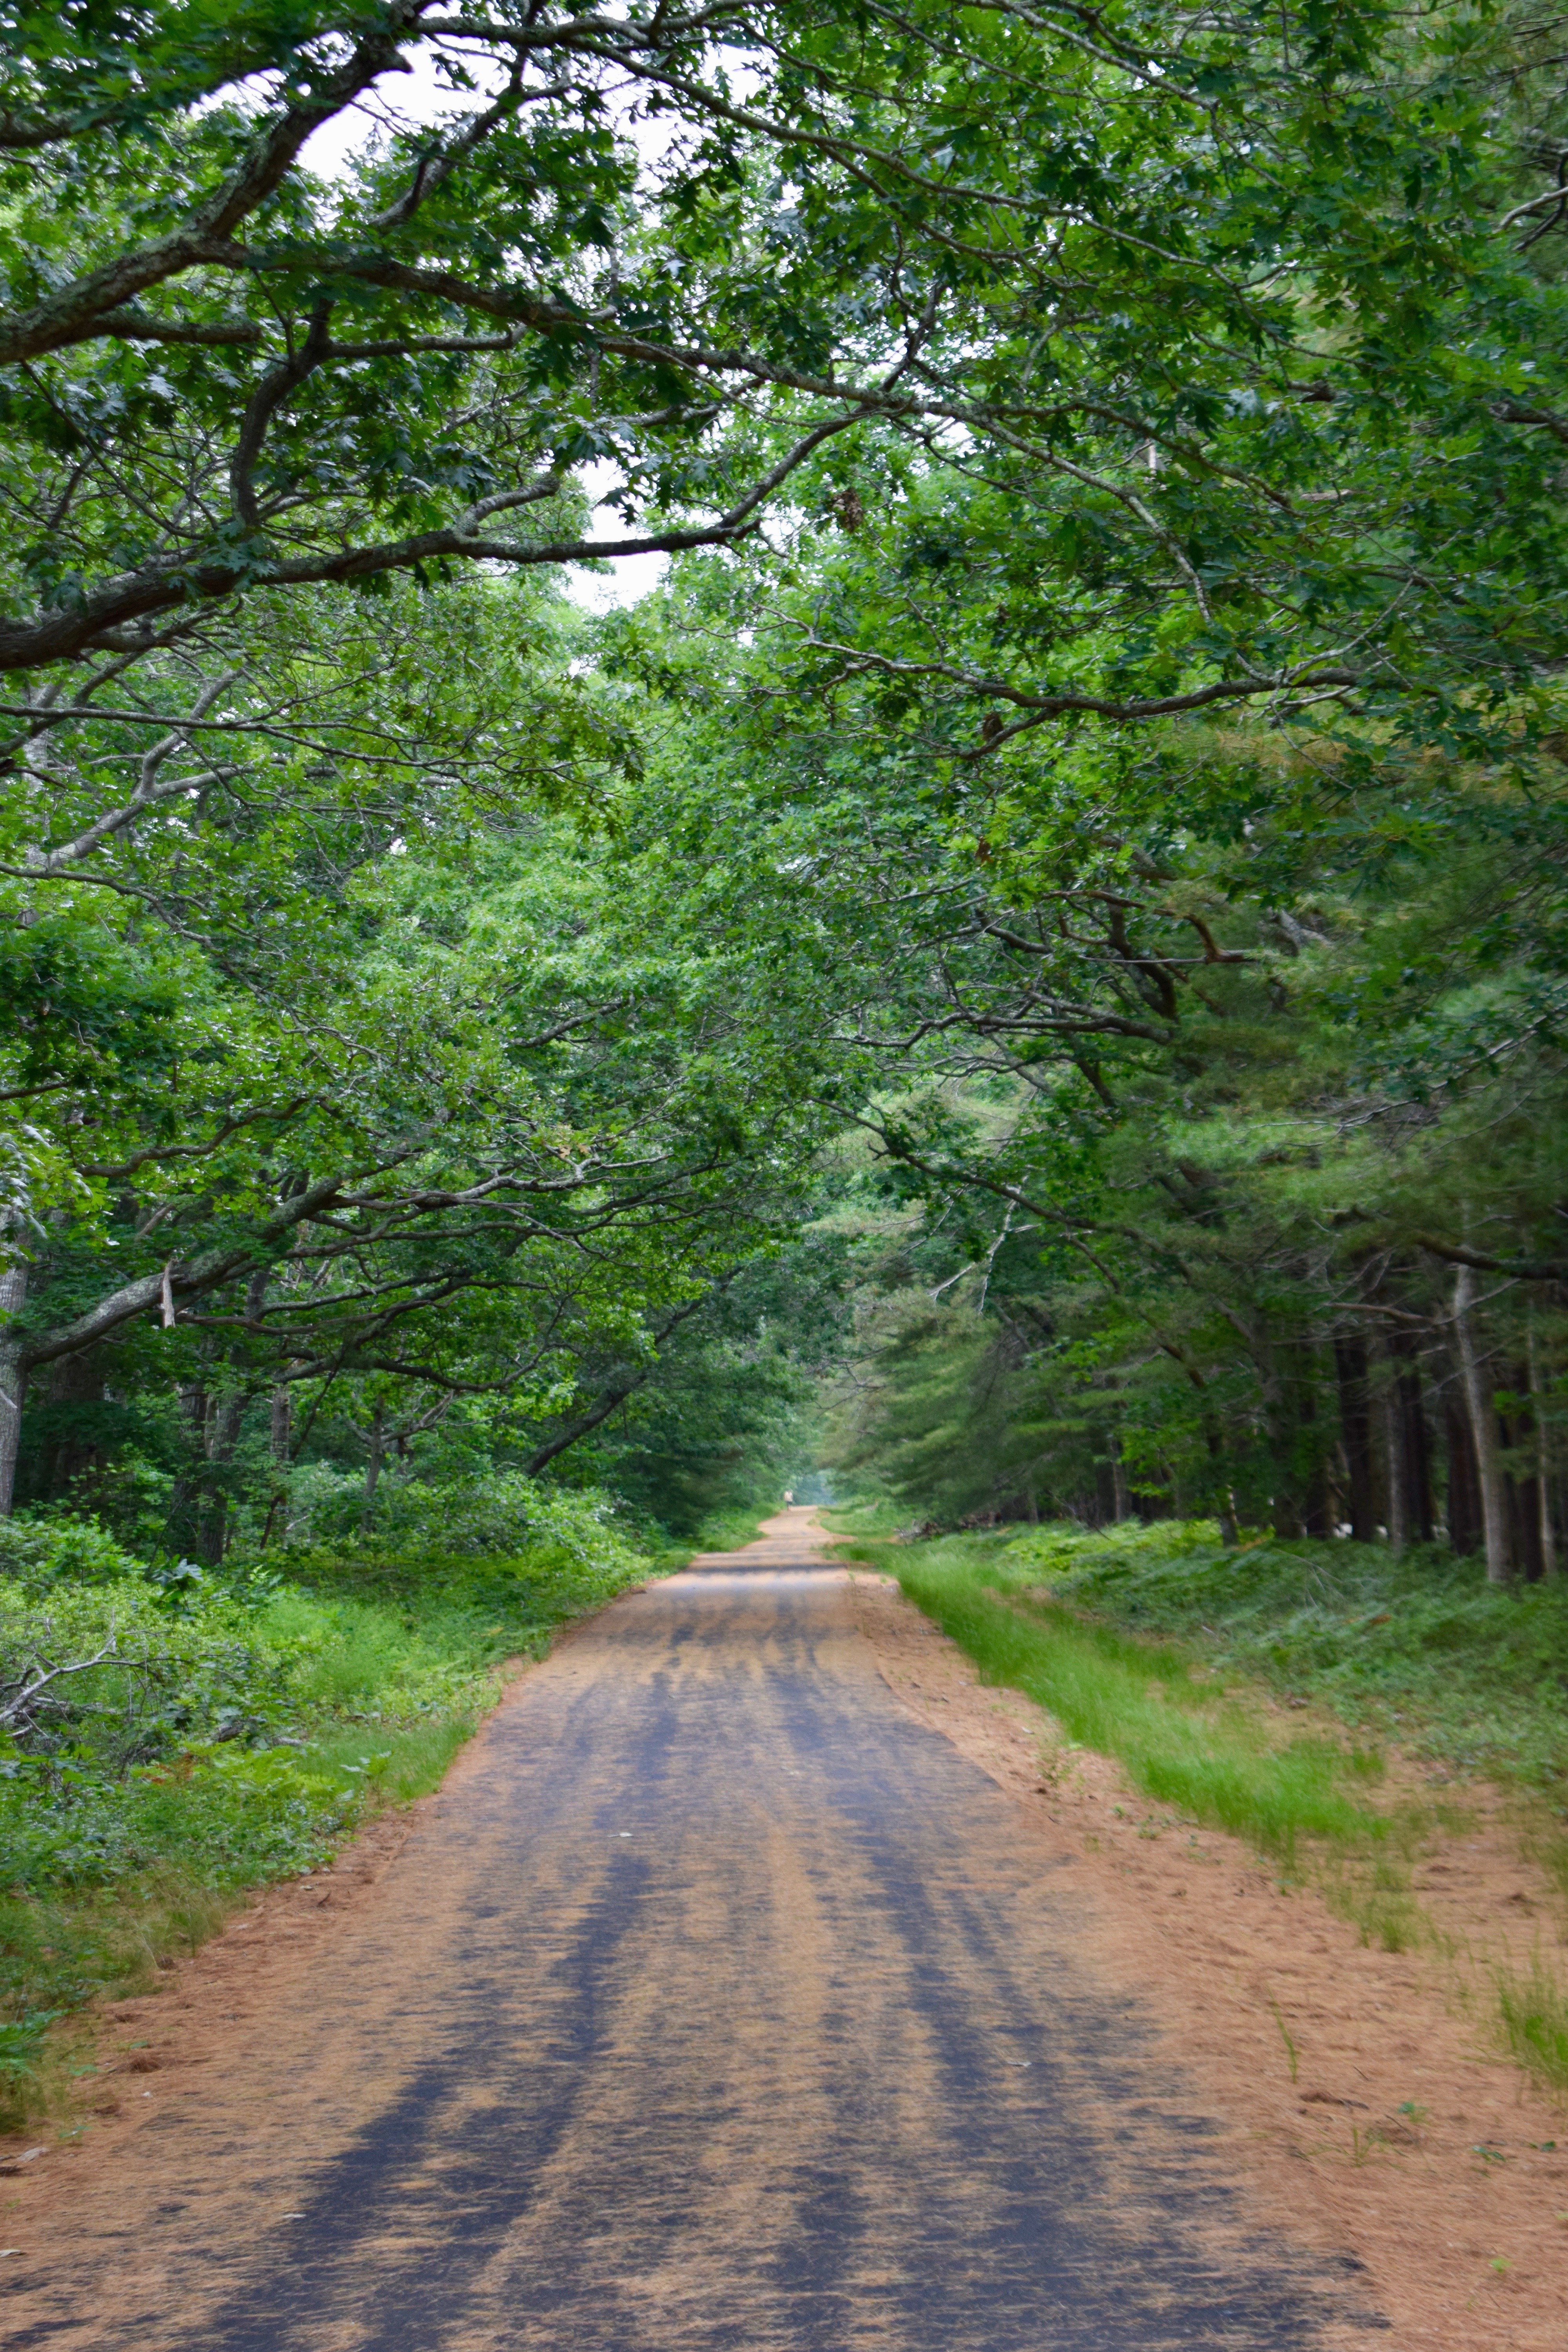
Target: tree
[1251,1032]
[346,1059]
[1109,296]
[1102,737]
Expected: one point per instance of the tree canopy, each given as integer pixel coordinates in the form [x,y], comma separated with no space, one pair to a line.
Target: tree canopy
[1056,906]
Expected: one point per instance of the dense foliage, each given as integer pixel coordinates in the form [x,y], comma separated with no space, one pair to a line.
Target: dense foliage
[1101,738]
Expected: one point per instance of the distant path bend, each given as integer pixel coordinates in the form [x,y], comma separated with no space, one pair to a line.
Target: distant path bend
[717,2005]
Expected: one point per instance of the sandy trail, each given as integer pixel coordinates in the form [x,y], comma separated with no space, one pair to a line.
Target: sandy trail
[717,2002]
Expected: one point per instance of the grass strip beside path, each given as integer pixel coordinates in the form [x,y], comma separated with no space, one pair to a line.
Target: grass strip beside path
[237,1735]
[1471,1679]
[1180,1741]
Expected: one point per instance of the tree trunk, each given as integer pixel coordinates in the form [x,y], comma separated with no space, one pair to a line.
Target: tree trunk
[1393,1455]
[1518,1437]
[1315,1489]
[1547,1535]
[1300,1503]
[76,1380]
[281,1447]
[1225,1501]
[184,1530]
[1415,1450]
[1482,1416]
[1550,1556]
[1286,1511]
[1355,1427]
[1118,1483]
[1463,1492]
[1523,1524]
[212,1520]
[12,1371]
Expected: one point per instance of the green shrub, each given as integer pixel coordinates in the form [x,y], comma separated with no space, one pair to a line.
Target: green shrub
[504,1517]
[43,1551]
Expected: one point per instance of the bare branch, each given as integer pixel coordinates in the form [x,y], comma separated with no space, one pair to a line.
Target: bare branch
[1455,1253]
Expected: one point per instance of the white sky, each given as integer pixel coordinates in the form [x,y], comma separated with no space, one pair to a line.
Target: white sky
[418,100]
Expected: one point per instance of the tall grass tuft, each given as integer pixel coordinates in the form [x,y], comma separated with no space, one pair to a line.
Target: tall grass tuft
[1533,2013]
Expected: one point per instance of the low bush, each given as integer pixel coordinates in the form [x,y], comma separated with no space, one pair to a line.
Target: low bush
[504,1515]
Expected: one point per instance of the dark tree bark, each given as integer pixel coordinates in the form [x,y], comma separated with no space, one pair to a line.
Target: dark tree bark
[1523,1498]
[1315,1468]
[184,1530]
[1301,1506]
[1546,1530]
[224,1420]
[1117,1482]
[1355,1429]
[13,1369]
[1392,1437]
[1412,1447]
[1480,1390]
[1417,1455]
[1289,1507]
[1465,1531]
[1524,1526]
[1224,1500]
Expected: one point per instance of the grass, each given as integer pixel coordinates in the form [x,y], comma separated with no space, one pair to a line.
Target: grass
[731,1531]
[1418,1649]
[195,1842]
[1533,2013]
[1181,1742]
[401,1615]
[1292,2055]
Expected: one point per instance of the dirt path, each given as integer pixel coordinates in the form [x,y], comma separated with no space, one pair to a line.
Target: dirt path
[717,2002]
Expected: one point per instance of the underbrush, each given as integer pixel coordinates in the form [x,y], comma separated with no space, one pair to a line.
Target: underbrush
[1417,1649]
[168,1740]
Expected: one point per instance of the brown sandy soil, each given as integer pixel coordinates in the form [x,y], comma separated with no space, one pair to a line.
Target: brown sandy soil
[1460,2214]
[684,2017]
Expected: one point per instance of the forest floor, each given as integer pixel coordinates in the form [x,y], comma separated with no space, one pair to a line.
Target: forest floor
[716,2000]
